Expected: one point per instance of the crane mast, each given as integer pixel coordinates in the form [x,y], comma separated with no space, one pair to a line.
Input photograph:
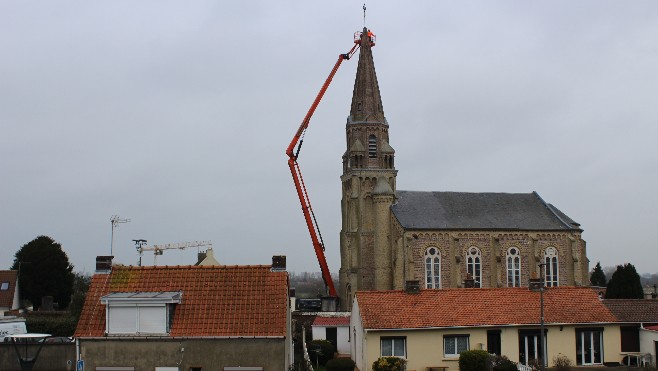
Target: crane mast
[293,155]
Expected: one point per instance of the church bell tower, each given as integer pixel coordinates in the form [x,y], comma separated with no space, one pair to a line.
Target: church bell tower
[368,187]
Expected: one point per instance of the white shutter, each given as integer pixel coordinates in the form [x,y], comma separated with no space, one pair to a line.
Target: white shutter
[123,320]
[152,320]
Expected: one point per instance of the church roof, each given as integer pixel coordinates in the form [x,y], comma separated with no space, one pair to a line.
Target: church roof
[462,210]
[366,99]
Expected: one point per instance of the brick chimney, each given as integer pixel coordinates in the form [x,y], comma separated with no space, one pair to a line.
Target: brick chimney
[104,264]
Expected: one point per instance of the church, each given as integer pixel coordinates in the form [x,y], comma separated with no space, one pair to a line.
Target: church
[441,239]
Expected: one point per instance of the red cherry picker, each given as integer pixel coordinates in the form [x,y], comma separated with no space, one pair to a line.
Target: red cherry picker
[293,154]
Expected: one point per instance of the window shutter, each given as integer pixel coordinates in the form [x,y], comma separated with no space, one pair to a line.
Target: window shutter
[123,320]
[153,320]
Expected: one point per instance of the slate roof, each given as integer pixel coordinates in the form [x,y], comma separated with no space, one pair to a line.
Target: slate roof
[479,307]
[486,211]
[331,321]
[633,310]
[249,301]
[7,296]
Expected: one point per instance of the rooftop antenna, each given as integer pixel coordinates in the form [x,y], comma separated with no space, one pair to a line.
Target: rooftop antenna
[364,14]
[115,219]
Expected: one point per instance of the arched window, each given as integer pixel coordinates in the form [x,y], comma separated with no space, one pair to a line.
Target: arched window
[372,146]
[432,268]
[551,268]
[513,267]
[474,266]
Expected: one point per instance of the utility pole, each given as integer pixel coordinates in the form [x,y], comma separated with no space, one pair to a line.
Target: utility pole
[115,219]
[542,287]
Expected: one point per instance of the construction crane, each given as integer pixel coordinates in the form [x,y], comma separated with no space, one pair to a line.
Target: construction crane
[141,246]
[293,155]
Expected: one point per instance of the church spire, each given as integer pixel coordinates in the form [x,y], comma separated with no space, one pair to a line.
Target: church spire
[366,100]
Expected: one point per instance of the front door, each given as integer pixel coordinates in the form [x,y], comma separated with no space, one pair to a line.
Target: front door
[493,342]
[332,336]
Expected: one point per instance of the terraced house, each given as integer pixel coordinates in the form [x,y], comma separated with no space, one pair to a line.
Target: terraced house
[429,328]
[187,318]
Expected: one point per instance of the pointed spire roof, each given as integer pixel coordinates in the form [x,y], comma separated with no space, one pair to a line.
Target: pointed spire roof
[366,100]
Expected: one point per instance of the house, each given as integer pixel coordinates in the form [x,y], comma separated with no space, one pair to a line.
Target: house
[8,291]
[429,328]
[335,327]
[632,315]
[390,236]
[187,318]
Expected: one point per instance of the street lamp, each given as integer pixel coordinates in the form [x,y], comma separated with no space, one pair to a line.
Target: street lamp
[539,285]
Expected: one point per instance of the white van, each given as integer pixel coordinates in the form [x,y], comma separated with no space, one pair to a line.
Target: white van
[12,326]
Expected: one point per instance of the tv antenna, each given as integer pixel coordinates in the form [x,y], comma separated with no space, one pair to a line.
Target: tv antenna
[141,246]
[115,219]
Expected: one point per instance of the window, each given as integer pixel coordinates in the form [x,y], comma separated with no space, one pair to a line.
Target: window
[432,268]
[589,346]
[551,269]
[394,347]
[139,312]
[530,346]
[4,286]
[453,345]
[513,267]
[473,266]
[372,146]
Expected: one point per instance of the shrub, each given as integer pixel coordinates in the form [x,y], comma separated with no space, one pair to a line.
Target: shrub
[474,360]
[562,363]
[389,364]
[340,364]
[321,351]
[502,363]
[53,325]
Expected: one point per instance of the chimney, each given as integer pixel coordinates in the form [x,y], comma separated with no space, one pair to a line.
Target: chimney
[469,282]
[199,257]
[279,263]
[412,287]
[104,264]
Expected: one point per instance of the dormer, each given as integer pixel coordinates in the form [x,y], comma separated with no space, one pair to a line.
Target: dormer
[140,313]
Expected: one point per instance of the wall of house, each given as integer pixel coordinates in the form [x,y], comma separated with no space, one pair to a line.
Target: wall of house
[209,354]
[53,357]
[425,347]
[648,341]
[342,335]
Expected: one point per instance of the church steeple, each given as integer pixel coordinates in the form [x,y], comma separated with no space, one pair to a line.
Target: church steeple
[366,100]
[368,187]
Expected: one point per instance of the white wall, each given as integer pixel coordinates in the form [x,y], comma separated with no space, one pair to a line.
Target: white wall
[647,339]
[342,335]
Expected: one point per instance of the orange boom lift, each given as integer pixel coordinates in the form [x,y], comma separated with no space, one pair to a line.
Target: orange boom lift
[293,155]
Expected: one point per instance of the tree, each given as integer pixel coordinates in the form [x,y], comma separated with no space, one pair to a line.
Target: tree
[44,270]
[81,284]
[624,284]
[598,277]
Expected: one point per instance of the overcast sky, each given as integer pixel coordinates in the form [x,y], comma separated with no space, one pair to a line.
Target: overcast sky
[176,115]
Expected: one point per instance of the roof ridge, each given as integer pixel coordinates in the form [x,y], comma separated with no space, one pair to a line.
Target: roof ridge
[550,209]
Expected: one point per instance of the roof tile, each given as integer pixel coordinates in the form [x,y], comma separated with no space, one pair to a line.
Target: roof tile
[216,301]
[479,307]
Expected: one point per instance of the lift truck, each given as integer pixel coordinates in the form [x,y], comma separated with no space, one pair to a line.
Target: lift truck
[293,154]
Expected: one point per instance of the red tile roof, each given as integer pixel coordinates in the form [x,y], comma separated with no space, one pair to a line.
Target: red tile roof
[652,328]
[216,301]
[331,321]
[479,307]
[633,310]
[7,296]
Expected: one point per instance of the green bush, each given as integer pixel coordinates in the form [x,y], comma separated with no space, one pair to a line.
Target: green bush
[321,351]
[502,363]
[55,325]
[562,363]
[474,360]
[389,364]
[340,364]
